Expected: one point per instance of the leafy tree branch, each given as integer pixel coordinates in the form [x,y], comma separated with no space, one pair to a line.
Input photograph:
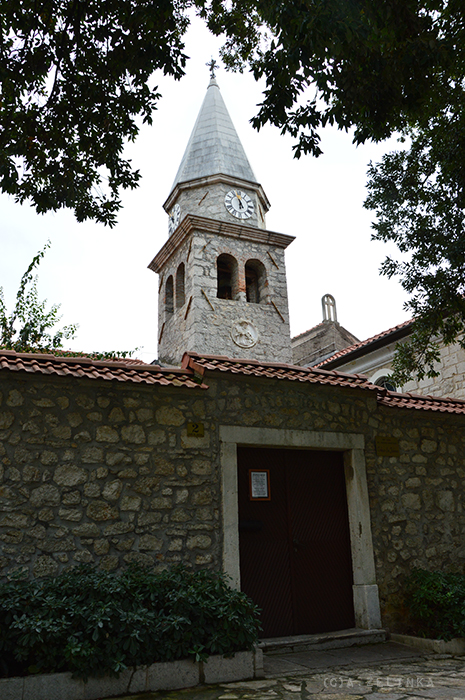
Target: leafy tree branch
[75,75]
[418,196]
[30,327]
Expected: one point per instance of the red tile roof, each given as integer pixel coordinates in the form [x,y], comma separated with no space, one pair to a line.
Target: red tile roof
[121,370]
[364,344]
[422,403]
[194,368]
[274,370]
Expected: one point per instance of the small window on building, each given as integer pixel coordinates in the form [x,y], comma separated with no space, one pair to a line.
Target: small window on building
[169,295]
[180,291]
[226,267]
[386,382]
[255,281]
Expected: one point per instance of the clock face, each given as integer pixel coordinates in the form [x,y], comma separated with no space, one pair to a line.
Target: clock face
[174,216]
[239,204]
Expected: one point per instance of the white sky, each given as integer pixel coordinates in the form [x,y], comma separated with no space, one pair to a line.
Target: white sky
[100,276]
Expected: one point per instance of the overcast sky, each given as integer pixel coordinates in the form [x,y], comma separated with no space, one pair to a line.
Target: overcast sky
[100,276]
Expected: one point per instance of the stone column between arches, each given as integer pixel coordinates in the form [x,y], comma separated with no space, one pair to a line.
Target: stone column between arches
[365,590]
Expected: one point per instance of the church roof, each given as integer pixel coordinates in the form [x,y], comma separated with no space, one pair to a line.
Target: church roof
[321,342]
[365,346]
[214,146]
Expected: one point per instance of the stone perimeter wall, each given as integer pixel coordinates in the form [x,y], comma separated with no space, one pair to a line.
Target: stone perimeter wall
[93,471]
[417,500]
[97,473]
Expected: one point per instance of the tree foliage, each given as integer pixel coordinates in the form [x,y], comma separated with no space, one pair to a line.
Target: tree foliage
[74,75]
[419,199]
[379,68]
[360,63]
[30,326]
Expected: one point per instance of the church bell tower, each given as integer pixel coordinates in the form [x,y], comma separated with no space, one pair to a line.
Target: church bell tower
[222,277]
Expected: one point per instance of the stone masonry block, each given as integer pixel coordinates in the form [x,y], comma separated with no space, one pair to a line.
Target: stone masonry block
[108,686]
[172,675]
[11,688]
[259,671]
[225,670]
[133,434]
[53,686]
[138,682]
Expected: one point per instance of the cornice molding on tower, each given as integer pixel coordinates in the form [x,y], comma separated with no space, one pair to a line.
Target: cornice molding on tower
[213,180]
[191,223]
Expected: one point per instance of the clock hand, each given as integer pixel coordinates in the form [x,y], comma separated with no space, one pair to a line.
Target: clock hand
[239,199]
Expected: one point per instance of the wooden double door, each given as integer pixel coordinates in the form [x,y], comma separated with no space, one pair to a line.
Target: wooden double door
[295,556]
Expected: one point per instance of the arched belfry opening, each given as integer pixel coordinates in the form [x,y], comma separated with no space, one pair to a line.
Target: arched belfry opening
[328,304]
[180,286]
[255,281]
[227,273]
[169,295]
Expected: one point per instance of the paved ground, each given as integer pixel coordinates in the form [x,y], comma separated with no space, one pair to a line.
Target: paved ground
[374,672]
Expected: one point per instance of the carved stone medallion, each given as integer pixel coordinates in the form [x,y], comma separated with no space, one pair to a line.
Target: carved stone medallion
[244,333]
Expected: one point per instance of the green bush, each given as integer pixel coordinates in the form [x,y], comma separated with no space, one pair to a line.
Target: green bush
[436,602]
[93,623]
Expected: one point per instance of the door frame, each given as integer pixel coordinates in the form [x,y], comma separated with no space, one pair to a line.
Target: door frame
[365,589]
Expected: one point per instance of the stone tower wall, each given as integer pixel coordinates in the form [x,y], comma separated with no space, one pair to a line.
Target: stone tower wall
[208,200]
[209,321]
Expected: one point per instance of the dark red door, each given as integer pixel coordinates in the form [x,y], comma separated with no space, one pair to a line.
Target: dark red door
[294,548]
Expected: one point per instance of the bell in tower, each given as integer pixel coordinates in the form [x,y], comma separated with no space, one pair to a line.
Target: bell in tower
[222,288]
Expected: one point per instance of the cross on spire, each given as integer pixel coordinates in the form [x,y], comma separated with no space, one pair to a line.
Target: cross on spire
[212,65]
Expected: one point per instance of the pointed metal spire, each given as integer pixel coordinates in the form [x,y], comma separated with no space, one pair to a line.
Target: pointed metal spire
[214,146]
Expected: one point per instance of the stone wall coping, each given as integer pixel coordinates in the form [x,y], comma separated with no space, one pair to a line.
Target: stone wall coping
[195,366]
[85,367]
[274,370]
[170,675]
